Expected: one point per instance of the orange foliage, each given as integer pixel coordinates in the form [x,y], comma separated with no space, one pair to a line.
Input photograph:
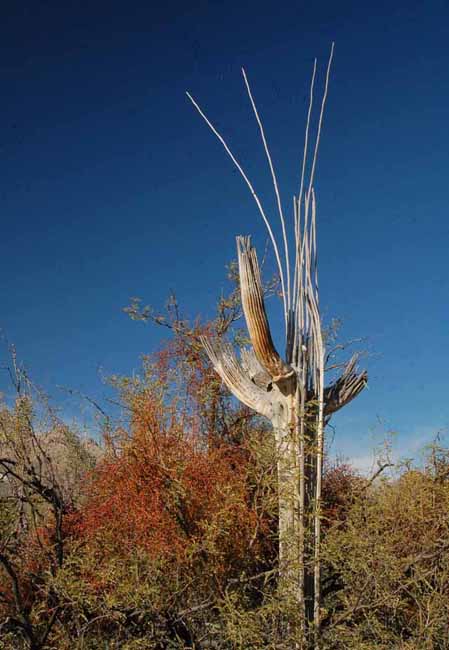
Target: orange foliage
[171,497]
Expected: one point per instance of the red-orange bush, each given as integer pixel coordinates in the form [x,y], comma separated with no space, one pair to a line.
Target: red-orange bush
[173,498]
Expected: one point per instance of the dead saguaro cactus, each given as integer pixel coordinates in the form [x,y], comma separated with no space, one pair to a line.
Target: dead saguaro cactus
[291,392]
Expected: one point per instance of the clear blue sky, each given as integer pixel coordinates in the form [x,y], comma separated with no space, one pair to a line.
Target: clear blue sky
[111,185]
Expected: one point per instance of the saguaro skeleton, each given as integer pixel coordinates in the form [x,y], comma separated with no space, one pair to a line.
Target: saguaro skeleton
[291,392]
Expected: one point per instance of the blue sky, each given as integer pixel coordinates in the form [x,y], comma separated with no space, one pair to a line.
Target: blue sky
[112,186]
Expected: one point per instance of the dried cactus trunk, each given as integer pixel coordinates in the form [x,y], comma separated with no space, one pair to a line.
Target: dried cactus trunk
[290,393]
[285,435]
[296,402]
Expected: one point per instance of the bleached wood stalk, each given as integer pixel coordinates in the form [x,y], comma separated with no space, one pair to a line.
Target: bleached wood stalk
[290,392]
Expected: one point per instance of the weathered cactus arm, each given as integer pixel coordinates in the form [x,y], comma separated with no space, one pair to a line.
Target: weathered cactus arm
[346,388]
[254,370]
[255,314]
[225,363]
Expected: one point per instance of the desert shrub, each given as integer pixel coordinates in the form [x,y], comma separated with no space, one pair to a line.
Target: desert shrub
[167,526]
[170,543]
[42,462]
[166,536]
[392,562]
